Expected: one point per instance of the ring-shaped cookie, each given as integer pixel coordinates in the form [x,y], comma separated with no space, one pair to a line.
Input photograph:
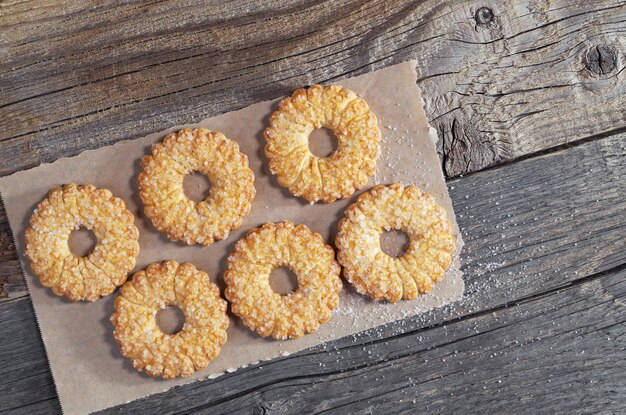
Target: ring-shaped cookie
[283,245]
[106,267]
[424,262]
[140,338]
[287,143]
[161,186]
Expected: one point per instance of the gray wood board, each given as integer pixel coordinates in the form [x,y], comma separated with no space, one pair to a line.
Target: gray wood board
[560,352]
[501,78]
[543,314]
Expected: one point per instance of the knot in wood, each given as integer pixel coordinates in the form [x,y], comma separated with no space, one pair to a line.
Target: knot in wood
[601,59]
[484,16]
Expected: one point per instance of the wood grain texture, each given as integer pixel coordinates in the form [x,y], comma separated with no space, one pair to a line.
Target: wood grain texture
[26,384]
[542,326]
[12,284]
[480,364]
[501,78]
[529,79]
[472,365]
[544,259]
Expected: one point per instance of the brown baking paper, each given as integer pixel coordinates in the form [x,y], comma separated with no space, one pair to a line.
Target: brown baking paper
[88,369]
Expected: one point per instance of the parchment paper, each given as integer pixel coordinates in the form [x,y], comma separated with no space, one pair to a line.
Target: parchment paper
[89,372]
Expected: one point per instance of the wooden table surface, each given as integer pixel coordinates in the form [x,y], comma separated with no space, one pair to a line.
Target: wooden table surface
[529,100]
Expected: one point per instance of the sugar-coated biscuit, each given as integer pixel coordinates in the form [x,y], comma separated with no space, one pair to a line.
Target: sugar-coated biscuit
[287,143]
[423,264]
[97,274]
[161,186]
[275,245]
[141,340]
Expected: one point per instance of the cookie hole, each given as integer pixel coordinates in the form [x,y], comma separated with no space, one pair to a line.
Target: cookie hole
[170,320]
[394,242]
[197,186]
[82,241]
[322,142]
[283,281]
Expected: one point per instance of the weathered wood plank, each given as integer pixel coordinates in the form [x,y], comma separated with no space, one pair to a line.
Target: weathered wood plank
[576,337]
[31,77]
[537,225]
[529,79]
[500,82]
[560,352]
[26,383]
[12,282]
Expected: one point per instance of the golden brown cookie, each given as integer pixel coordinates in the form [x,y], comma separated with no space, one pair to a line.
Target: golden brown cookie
[66,209]
[136,330]
[426,259]
[283,245]
[344,171]
[161,186]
